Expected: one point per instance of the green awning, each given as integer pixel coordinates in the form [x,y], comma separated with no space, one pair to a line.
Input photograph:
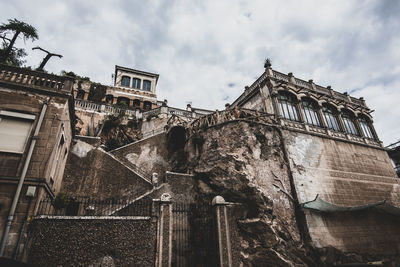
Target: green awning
[321,205]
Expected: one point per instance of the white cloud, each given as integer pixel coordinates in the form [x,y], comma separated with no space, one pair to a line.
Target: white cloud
[200,47]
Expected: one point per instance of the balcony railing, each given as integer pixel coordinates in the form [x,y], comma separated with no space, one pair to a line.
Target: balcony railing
[35,79]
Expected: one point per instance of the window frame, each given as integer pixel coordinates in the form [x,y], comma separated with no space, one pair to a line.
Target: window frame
[330,114]
[365,125]
[18,116]
[136,85]
[349,121]
[122,81]
[309,109]
[287,105]
[146,82]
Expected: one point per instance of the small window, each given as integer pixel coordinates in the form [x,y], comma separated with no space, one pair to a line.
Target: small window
[136,83]
[146,85]
[331,118]
[310,112]
[15,129]
[125,81]
[366,127]
[348,121]
[80,94]
[287,106]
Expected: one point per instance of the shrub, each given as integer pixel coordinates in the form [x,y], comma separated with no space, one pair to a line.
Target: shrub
[60,201]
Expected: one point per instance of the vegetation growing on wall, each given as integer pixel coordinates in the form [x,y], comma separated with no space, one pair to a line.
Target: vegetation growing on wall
[118,131]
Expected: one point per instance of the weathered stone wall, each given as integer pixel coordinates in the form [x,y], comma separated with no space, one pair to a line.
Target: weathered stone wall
[92,172]
[150,154]
[349,175]
[92,242]
[56,121]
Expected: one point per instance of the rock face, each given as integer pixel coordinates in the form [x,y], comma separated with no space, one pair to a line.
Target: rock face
[245,163]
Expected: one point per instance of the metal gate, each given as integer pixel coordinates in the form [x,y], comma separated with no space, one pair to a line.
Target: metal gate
[194,241]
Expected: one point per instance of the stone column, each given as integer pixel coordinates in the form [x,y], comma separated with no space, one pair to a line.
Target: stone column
[85,97]
[223,232]
[164,232]
[130,103]
[114,100]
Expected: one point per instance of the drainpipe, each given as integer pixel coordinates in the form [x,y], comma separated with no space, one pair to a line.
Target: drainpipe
[21,232]
[21,181]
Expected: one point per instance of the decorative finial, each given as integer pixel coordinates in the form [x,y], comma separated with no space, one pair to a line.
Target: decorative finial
[267,63]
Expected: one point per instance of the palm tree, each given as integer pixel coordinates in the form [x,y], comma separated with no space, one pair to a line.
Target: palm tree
[17,27]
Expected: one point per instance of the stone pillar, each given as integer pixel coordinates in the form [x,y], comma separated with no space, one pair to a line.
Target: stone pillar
[141,105]
[312,84]
[164,232]
[130,103]
[164,110]
[291,78]
[115,99]
[223,232]
[75,93]
[85,97]
[321,117]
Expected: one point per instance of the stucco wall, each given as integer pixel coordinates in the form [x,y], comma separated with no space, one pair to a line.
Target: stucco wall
[92,242]
[349,175]
[150,154]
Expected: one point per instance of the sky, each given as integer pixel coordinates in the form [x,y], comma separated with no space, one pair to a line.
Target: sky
[207,51]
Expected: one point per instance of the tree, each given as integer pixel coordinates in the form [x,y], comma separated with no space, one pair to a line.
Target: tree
[8,54]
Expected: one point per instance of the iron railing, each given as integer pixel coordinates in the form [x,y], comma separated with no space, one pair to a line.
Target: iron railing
[84,206]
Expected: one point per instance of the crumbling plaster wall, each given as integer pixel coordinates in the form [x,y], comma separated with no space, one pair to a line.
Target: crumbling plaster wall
[150,154]
[88,121]
[345,174]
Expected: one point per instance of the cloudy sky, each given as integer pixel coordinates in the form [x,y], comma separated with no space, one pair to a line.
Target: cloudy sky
[207,51]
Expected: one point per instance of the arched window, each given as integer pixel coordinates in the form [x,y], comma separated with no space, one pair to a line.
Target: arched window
[146,85]
[348,121]
[136,103]
[109,99]
[309,109]
[287,106]
[125,81]
[81,94]
[136,83]
[331,118]
[147,105]
[123,101]
[365,124]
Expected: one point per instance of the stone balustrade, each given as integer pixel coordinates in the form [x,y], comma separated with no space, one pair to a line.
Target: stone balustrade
[35,79]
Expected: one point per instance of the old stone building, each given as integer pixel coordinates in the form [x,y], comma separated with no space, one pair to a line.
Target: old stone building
[340,172]
[290,174]
[36,122]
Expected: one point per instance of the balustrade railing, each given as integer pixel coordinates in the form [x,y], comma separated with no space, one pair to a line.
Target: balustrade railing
[303,83]
[322,90]
[35,79]
[280,76]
